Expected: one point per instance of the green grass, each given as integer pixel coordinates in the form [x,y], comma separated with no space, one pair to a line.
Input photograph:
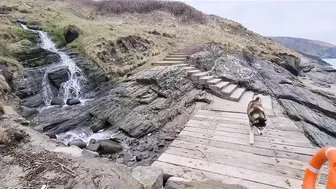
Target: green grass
[24,34]
[77,45]
[57,35]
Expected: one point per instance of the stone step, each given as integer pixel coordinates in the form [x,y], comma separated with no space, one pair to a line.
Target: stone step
[218,87]
[205,79]
[190,72]
[177,56]
[182,65]
[228,90]
[175,59]
[213,82]
[167,63]
[196,76]
[237,94]
[187,68]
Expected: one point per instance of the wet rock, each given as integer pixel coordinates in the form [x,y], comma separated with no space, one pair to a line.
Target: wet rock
[33,101]
[93,147]
[22,21]
[72,102]
[29,84]
[27,112]
[37,57]
[149,177]
[109,147]
[58,75]
[71,33]
[57,101]
[78,142]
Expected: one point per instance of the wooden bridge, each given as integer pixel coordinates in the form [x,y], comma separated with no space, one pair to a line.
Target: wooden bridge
[214,145]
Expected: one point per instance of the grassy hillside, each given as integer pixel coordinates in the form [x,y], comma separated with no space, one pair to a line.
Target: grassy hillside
[307,46]
[122,35]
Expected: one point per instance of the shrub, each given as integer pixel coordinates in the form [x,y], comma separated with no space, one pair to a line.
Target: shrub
[178,9]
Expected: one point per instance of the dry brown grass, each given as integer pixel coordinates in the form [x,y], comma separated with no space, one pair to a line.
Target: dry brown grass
[180,10]
[105,22]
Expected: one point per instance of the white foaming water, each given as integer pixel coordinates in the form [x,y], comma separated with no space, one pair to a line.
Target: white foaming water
[68,89]
[85,135]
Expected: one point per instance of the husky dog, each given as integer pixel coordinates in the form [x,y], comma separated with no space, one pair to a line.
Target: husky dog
[257,117]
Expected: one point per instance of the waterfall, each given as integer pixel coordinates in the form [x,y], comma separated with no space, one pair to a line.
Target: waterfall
[72,87]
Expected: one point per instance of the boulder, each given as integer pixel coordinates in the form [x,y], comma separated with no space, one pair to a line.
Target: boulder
[71,33]
[57,101]
[78,142]
[58,75]
[26,112]
[149,177]
[109,147]
[72,101]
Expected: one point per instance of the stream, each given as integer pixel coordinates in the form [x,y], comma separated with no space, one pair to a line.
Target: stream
[72,88]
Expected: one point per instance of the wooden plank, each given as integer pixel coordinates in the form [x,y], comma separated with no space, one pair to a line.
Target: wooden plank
[260,177]
[295,164]
[216,120]
[241,162]
[201,175]
[277,147]
[244,148]
[238,158]
[268,136]
[243,129]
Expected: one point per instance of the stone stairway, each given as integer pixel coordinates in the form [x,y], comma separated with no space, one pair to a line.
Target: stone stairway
[218,87]
[214,145]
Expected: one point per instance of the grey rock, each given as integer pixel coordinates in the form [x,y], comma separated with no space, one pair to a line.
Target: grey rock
[78,142]
[149,177]
[33,101]
[58,75]
[37,58]
[57,101]
[27,112]
[89,154]
[71,102]
[109,147]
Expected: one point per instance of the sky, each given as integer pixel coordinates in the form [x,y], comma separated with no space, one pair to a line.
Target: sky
[293,18]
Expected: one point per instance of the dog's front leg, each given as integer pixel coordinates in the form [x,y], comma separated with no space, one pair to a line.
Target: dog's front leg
[251,134]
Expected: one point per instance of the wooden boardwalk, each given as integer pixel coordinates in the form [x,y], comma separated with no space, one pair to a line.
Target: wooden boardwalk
[215,145]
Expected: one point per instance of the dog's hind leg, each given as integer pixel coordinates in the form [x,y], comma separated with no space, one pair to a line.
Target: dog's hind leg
[251,134]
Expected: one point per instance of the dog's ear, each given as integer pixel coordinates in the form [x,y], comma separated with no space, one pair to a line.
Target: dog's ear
[257,99]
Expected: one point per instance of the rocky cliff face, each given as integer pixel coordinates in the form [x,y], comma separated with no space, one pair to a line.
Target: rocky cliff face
[135,110]
[313,109]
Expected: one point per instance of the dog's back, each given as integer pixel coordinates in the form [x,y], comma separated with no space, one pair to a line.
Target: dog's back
[255,112]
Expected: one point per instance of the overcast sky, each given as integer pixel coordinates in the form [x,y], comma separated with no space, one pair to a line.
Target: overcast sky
[305,19]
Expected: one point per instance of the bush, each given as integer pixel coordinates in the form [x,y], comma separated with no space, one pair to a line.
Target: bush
[177,9]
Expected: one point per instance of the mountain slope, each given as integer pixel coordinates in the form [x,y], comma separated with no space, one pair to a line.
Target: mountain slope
[307,46]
